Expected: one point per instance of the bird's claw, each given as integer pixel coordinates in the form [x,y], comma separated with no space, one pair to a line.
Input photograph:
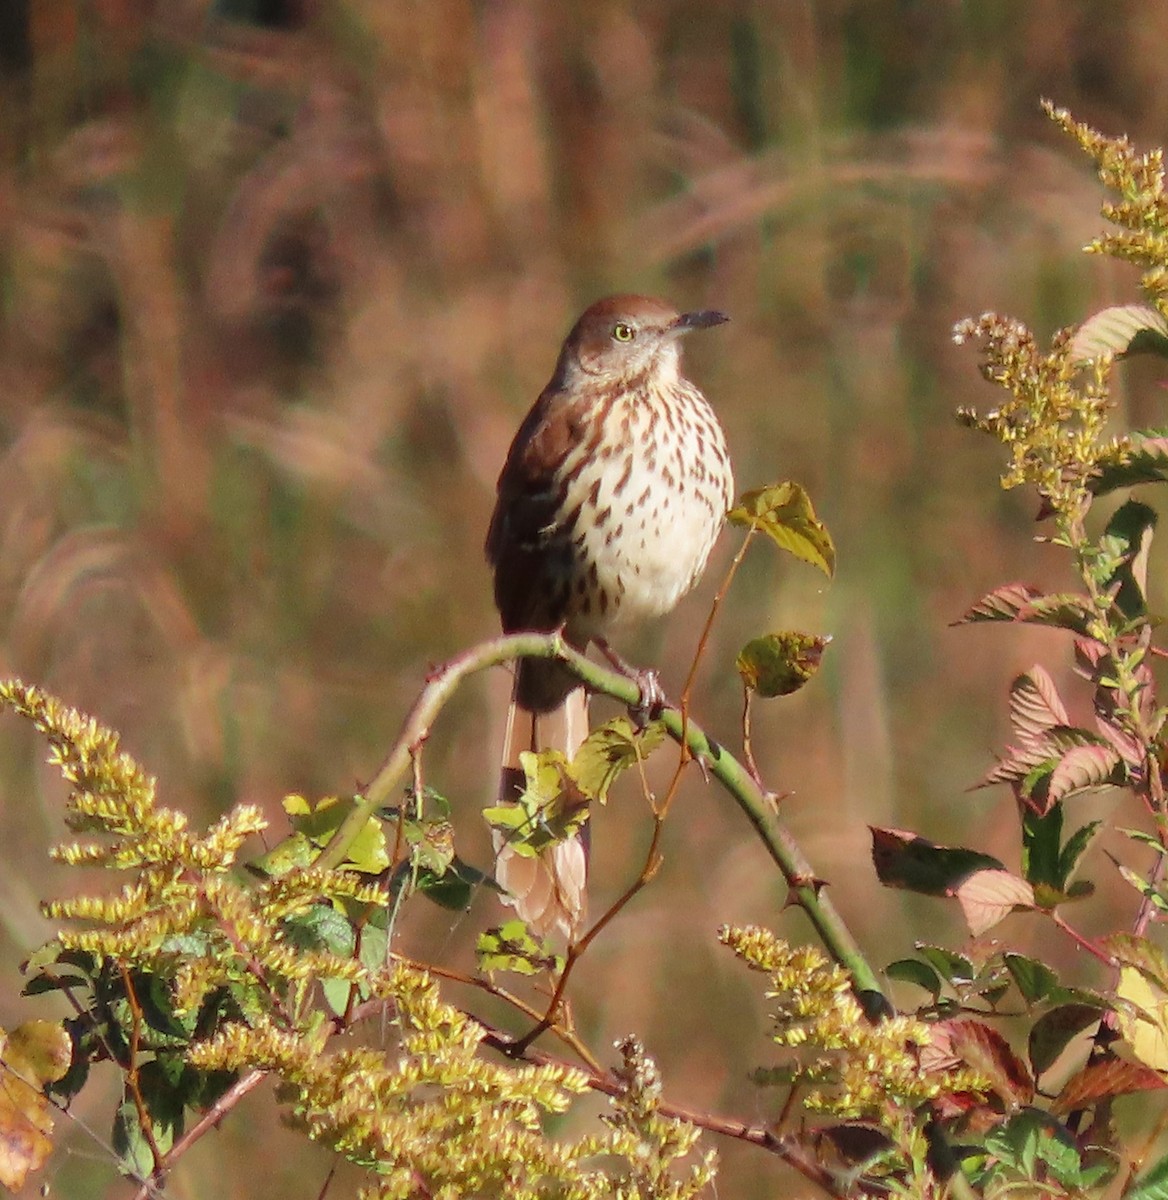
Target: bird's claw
[651,700]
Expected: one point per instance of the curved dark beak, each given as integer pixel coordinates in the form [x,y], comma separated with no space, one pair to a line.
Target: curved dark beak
[702,319]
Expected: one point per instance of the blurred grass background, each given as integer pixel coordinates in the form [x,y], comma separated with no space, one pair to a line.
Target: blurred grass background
[280,277]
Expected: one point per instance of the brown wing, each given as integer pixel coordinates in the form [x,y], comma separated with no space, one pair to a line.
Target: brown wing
[528,543]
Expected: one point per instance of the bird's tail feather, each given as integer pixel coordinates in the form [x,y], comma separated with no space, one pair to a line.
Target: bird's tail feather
[548,892]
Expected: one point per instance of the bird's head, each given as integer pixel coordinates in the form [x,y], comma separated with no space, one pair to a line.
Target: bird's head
[626,338]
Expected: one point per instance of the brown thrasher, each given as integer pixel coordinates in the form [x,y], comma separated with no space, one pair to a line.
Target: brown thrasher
[609,503]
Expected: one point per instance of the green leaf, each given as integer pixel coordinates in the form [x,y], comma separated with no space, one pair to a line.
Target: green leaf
[1035,980]
[321,927]
[1054,1030]
[1123,557]
[1146,888]
[780,663]
[130,1142]
[952,967]
[512,947]
[610,750]
[550,808]
[912,970]
[1152,1185]
[1140,954]
[319,822]
[1143,460]
[336,994]
[1041,848]
[455,887]
[1121,330]
[1074,849]
[785,514]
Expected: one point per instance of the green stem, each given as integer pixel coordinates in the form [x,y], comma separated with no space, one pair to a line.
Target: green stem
[806,889]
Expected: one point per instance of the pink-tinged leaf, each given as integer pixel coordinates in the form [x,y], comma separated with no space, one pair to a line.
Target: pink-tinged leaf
[907,860]
[1088,655]
[1052,744]
[1035,705]
[973,1044]
[1118,330]
[1002,604]
[990,896]
[1129,747]
[1080,768]
[1018,763]
[1026,603]
[1102,1081]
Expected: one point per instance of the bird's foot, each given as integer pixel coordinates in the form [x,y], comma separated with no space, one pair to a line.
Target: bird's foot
[652,698]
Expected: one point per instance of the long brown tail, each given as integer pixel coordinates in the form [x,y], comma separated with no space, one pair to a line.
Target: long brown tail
[547,892]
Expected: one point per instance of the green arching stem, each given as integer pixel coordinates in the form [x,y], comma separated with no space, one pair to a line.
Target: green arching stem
[805,889]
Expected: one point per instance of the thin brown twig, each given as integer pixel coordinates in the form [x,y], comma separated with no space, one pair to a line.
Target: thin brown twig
[209,1120]
[567,1036]
[145,1122]
[788,1149]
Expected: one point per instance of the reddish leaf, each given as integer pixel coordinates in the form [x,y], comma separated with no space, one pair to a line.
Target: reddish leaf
[1082,767]
[961,1041]
[990,896]
[1026,603]
[1035,705]
[907,860]
[1128,746]
[1103,1080]
[1002,604]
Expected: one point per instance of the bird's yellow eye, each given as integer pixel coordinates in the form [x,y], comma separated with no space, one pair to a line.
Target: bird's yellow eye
[623,332]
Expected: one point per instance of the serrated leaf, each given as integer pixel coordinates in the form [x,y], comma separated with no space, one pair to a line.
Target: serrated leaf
[1132,951]
[1104,1080]
[1122,329]
[1035,704]
[778,664]
[1042,834]
[321,927]
[785,514]
[1147,889]
[912,970]
[1035,980]
[1143,460]
[608,751]
[989,896]
[511,947]
[1055,1030]
[1026,604]
[986,1051]
[550,809]
[1081,768]
[952,967]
